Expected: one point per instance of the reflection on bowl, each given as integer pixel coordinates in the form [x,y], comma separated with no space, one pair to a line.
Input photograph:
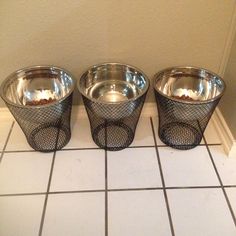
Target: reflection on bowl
[35,89]
[113,89]
[188,88]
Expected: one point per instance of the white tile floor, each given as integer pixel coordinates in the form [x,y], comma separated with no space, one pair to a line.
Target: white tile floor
[142,190]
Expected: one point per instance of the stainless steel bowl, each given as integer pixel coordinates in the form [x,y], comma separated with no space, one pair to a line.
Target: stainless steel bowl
[200,85]
[37,87]
[111,85]
[190,86]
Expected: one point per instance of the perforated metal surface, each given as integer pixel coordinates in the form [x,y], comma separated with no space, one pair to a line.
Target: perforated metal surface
[46,128]
[113,125]
[181,125]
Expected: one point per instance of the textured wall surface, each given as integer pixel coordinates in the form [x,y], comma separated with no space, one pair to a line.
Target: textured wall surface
[75,34]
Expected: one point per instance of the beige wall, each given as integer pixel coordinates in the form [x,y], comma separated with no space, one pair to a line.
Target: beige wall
[150,34]
[228,102]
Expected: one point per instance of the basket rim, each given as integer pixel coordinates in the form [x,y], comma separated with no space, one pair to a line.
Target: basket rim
[157,77]
[13,75]
[143,92]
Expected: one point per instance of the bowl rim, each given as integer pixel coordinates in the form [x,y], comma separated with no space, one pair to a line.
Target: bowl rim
[13,75]
[157,77]
[144,91]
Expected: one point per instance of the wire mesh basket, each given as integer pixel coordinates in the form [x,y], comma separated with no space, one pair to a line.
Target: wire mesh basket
[40,99]
[113,96]
[186,98]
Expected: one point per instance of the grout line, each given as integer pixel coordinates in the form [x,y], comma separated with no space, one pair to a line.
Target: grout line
[46,196]
[81,149]
[106,186]
[134,189]
[6,142]
[230,186]
[162,180]
[112,190]
[21,194]
[52,193]
[221,183]
[148,146]
[19,151]
[75,149]
[106,196]
[185,145]
[48,187]
[214,144]
[77,191]
[193,187]
[64,149]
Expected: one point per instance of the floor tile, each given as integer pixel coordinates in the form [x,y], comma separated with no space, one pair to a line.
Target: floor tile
[187,168]
[200,212]
[75,214]
[78,170]
[231,193]
[211,134]
[5,127]
[137,213]
[225,166]
[21,215]
[143,134]
[25,172]
[17,140]
[133,168]
[81,135]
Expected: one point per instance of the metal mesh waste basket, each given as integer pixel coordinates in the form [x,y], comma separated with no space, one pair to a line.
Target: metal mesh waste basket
[40,99]
[186,97]
[113,96]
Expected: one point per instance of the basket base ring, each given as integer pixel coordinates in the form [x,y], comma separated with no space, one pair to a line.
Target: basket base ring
[180,135]
[49,137]
[113,136]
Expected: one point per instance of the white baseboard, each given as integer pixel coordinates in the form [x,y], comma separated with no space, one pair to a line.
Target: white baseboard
[5,114]
[149,109]
[228,141]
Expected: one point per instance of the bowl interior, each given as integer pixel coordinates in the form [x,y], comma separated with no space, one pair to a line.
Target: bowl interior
[189,84]
[37,86]
[112,83]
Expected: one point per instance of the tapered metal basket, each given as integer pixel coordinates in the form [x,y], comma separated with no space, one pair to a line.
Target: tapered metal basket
[186,98]
[113,95]
[40,99]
